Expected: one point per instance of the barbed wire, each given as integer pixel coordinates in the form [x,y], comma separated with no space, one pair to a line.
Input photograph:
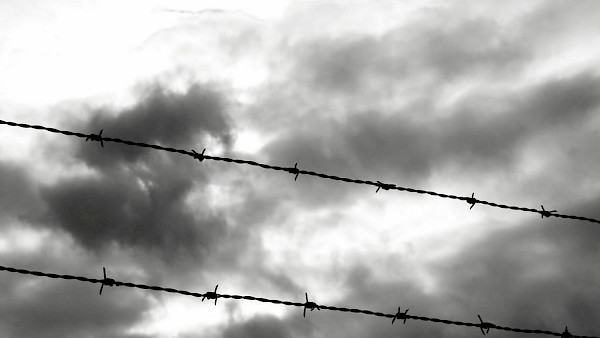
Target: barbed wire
[471,200]
[109,282]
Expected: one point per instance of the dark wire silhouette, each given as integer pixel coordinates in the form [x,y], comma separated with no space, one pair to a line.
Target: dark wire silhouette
[106,281]
[483,326]
[471,200]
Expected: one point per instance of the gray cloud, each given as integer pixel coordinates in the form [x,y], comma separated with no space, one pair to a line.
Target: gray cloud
[450,49]
[405,149]
[365,292]
[67,309]
[20,194]
[258,326]
[138,198]
[460,49]
[532,276]
[161,116]
[335,123]
[541,273]
[116,208]
[345,64]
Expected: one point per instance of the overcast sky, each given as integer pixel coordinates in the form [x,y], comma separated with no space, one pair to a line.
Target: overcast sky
[500,98]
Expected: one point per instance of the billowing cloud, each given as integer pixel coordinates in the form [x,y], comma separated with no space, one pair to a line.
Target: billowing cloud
[538,273]
[161,116]
[67,309]
[98,212]
[20,195]
[137,198]
[406,148]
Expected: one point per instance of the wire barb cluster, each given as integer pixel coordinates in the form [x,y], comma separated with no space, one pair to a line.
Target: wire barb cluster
[485,326]
[106,281]
[294,170]
[96,138]
[400,315]
[471,200]
[380,185]
[199,157]
[306,305]
[546,213]
[384,186]
[309,305]
[212,295]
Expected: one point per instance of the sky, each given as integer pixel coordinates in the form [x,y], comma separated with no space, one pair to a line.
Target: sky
[496,98]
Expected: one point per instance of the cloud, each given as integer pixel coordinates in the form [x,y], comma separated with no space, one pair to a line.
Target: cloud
[22,198]
[160,116]
[539,272]
[51,308]
[98,212]
[138,198]
[480,133]
[447,49]
[258,326]
[365,291]
[437,93]
[444,91]
[344,64]
[531,276]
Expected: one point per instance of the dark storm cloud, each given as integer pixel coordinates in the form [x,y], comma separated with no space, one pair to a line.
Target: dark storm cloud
[19,194]
[138,198]
[163,117]
[365,291]
[116,208]
[482,133]
[562,101]
[540,274]
[66,309]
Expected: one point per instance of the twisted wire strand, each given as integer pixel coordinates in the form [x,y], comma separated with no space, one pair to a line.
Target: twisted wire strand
[296,171]
[215,295]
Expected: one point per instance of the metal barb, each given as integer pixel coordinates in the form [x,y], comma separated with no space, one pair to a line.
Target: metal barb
[96,137]
[566,334]
[294,170]
[106,281]
[400,315]
[485,326]
[309,305]
[199,157]
[546,213]
[211,295]
[471,200]
[384,186]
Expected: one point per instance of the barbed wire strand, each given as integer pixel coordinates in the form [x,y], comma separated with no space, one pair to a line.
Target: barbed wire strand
[306,305]
[471,200]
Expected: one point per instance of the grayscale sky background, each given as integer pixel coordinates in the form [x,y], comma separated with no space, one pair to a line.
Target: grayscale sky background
[500,98]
